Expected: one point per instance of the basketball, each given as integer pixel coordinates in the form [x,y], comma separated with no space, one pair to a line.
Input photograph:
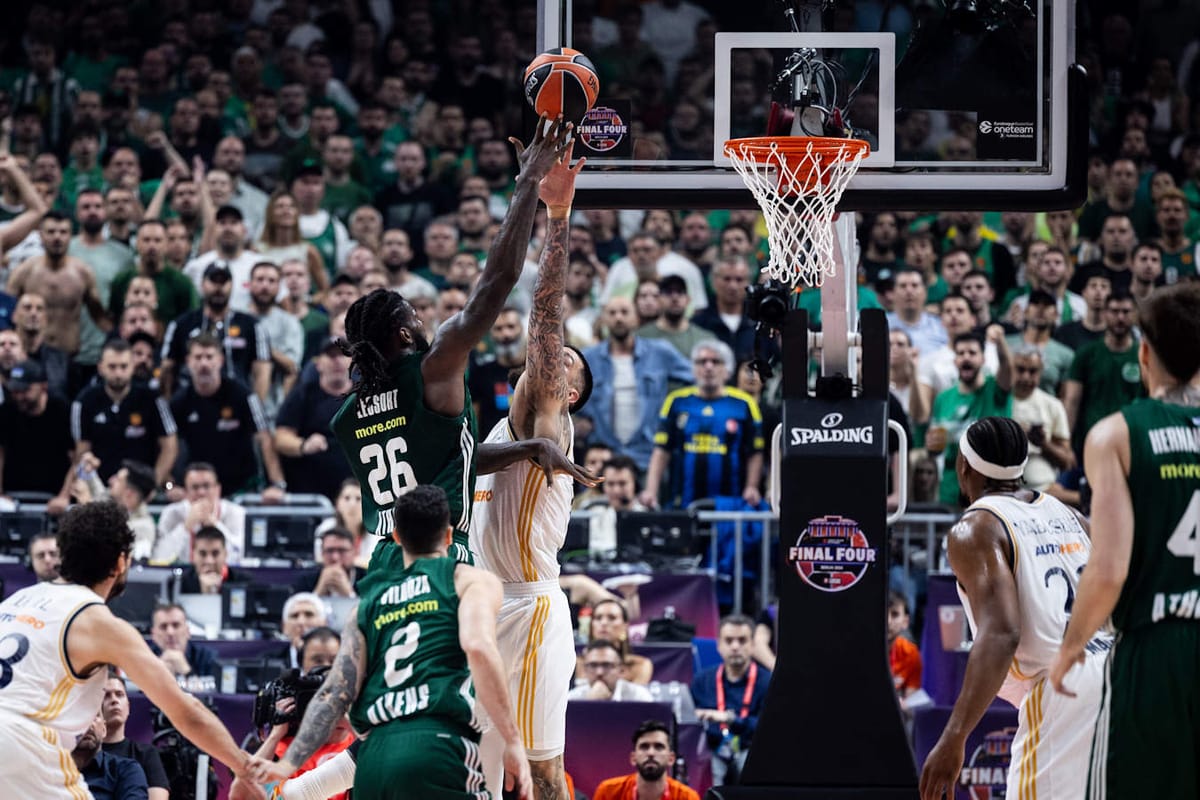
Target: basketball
[562,81]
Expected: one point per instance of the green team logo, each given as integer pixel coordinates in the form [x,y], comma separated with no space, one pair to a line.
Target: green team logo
[1131,373]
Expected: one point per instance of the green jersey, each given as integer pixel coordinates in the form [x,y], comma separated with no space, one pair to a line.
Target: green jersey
[393,443]
[415,667]
[1110,380]
[955,410]
[1164,481]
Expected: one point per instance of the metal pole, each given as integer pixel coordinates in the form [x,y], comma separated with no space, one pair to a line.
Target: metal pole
[737,566]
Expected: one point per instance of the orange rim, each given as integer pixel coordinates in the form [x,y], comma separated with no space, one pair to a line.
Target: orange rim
[820,150]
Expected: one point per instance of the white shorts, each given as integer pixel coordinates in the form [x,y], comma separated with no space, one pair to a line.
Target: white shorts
[36,763]
[1053,744]
[538,648]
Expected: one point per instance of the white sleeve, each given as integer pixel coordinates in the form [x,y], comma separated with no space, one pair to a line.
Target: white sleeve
[327,779]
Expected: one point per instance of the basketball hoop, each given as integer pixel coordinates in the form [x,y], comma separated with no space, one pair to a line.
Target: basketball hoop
[798,181]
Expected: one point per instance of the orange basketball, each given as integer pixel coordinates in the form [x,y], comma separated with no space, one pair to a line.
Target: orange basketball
[562,81]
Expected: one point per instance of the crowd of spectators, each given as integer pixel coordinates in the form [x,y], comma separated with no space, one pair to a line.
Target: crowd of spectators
[192,194]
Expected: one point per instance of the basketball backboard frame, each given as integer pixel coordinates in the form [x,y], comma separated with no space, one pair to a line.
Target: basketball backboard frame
[1058,181]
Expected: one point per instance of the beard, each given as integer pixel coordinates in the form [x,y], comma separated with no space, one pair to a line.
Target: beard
[507,351]
[217,302]
[651,770]
[91,226]
[118,587]
[117,386]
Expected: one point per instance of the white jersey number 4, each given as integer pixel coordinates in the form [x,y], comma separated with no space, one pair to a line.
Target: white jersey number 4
[1184,541]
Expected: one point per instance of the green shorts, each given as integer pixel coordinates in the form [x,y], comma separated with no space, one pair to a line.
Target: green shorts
[387,550]
[1147,742]
[419,761]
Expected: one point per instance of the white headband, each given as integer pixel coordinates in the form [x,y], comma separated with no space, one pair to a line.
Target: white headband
[987,468]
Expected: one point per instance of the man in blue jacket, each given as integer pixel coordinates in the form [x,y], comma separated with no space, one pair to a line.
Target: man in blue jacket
[632,377]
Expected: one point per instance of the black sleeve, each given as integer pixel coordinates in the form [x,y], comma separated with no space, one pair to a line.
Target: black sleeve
[156,774]
[291,411]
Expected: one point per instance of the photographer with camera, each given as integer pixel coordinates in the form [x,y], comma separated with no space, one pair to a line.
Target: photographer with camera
[282,703]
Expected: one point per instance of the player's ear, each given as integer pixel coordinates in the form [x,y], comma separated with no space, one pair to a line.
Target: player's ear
[448,538]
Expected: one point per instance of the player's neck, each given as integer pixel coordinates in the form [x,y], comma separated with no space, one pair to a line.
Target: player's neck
[412,558]
[1179,394]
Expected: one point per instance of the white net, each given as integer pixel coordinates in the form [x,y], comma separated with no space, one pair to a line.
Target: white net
[798,183]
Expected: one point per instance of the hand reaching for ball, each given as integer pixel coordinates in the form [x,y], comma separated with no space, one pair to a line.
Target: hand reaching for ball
[557,189]
[549,142]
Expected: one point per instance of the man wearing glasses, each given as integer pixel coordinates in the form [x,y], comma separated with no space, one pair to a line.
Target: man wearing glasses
[602,669]
[337,575]
[709,435]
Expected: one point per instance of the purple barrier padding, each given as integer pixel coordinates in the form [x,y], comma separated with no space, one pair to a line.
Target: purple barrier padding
[985,768]
[693,596]
[941,670]
[16,577]
[235,711]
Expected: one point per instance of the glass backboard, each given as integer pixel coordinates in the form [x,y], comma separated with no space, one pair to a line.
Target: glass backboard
[970,105]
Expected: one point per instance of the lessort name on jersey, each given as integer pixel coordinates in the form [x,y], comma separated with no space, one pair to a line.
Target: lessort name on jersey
[374,404]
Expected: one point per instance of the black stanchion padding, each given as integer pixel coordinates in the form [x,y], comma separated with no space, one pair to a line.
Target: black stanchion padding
[831,724]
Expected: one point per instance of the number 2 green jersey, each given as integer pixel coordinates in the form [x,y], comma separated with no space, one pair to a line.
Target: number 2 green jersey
[393,443]
[415,667]
[1164,481]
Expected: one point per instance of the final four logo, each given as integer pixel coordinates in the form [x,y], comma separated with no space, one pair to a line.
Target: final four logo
[985,775]
[832,554]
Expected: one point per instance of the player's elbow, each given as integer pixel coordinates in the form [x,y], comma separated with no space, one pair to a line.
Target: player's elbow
[478,647]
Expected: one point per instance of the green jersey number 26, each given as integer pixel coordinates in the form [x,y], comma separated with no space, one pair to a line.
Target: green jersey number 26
[390,475]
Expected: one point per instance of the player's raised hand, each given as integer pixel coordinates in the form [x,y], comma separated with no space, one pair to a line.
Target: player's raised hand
[549,141]
[940,775]
[517,779]
[557,189]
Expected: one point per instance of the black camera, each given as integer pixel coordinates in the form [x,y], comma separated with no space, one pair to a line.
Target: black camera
[768,303]
[180,758]
[293,684]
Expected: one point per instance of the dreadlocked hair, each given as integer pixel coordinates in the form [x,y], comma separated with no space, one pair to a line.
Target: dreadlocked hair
[370,322]
[999,440]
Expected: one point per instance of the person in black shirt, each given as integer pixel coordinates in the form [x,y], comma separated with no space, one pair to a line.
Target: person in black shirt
[1096,288]
[247,351]
[35,437]
[488,376]
[115,709]
[210,569]
[117,420]
[219,421]
[302,426]
[29,320]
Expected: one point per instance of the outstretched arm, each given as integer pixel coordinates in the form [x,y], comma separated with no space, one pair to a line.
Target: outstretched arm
[977,550]
[539,401]
[1106,462]
[446,362]
[333,699]
[35,207]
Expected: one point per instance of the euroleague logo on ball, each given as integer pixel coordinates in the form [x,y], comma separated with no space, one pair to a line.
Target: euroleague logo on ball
[602,129]
[832,554]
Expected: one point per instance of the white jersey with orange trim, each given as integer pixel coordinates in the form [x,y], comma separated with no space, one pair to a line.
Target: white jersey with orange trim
[1050,549]
[1051,748]
[518,523]
[36,682]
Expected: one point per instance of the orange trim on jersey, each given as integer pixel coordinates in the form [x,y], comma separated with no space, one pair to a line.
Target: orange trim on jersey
[527,689]
[525,514]
[58,699]
[1027,783]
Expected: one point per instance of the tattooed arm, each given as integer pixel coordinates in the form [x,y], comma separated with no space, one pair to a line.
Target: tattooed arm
[333,699]
[541,397]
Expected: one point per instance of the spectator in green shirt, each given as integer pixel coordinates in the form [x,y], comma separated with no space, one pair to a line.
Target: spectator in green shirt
[1104,374]
[974,396]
